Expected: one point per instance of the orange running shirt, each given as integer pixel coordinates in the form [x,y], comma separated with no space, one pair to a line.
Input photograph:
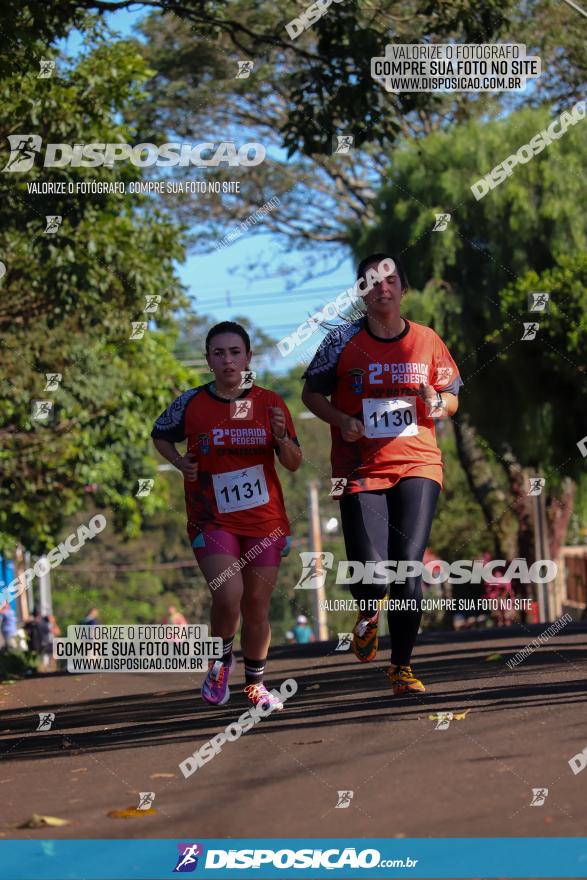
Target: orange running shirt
[377,381]
[237,488]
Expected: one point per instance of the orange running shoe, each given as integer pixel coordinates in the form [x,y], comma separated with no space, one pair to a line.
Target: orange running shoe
[365,639]
[403,681]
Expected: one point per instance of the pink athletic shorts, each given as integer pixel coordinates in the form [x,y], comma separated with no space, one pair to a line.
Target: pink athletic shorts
[262,550]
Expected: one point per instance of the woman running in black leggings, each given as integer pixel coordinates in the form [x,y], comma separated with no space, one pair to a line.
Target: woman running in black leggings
[385,376]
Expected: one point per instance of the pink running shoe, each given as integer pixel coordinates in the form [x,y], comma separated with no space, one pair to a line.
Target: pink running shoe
[215,688]
[258,694]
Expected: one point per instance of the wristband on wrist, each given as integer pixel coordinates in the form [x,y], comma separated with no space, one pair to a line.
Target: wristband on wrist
[439,402]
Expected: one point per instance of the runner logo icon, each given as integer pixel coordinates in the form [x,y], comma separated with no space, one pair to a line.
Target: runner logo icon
[338,485]
[146,799]
[46,719]
[244,69]
[315,567]
[344,641]
[538,302]
[443,720]
[441,222]
[539,796]
[53,222]
[187,860]
[241,409]
[344,799]
[23,149]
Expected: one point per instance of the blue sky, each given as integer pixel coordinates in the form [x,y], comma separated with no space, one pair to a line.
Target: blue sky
[219,283]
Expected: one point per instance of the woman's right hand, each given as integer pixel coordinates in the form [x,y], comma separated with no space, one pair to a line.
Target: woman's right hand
[352,429]
[188,465]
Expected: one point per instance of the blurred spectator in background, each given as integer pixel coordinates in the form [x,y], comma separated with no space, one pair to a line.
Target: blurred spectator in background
[302,631]
[91,618]
[8,627]
[175,617]
[39,636]
[501,590]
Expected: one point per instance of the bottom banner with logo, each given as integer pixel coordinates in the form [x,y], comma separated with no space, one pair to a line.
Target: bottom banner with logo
[503,857]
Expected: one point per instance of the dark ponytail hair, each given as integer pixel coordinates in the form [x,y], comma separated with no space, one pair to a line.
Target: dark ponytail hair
[228,327]
[377,258]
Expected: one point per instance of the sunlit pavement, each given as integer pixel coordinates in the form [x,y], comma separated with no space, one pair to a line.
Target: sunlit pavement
[116,735]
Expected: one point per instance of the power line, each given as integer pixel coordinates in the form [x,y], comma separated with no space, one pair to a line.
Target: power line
[252,285]
[267,295]
[114,569]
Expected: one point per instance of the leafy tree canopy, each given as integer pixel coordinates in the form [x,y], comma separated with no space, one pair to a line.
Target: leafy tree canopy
[68,305]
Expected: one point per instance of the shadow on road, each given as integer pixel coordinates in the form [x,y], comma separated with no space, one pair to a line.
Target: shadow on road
[332,689]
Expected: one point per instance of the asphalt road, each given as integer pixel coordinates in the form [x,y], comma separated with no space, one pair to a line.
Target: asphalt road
[116,735]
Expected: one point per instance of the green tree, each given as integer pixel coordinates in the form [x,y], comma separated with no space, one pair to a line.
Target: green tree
[134,581]
[526,224]
[324,73]
[68,305]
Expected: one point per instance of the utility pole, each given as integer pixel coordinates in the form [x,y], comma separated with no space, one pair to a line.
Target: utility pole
[45,598]
[541,551]
[22,609]
[319,594]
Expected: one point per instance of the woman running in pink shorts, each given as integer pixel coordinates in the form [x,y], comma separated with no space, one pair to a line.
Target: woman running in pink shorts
[237,522]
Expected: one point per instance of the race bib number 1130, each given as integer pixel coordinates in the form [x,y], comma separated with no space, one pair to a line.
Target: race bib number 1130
[390,417]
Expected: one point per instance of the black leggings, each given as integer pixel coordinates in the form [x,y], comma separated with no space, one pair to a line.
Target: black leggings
[391,524]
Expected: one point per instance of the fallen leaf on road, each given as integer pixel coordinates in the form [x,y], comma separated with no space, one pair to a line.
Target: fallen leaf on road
[456,716]
[312,687]
[162,776]
[37,821]
[491,657]
[79,770]
[459,716]
[308,742]
[130,813]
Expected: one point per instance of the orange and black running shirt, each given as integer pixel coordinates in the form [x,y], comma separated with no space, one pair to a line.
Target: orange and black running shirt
[237,487]
[377,381]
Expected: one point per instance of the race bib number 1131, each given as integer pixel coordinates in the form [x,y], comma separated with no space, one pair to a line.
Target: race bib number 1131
[240,490]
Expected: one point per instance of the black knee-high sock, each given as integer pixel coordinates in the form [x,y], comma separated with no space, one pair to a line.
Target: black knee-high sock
[254,670]
[227,650]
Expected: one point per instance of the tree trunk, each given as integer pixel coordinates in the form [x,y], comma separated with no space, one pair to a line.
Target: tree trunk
[558,514]
[502,522]
[521,505]
[558,510]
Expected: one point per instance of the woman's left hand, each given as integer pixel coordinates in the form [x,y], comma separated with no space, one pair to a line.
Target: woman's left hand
[277,422]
